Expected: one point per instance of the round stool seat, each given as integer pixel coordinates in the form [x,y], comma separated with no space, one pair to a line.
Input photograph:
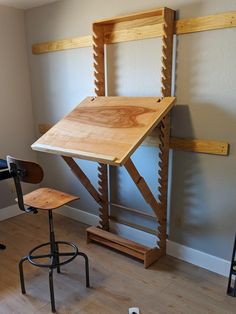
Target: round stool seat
[54,264]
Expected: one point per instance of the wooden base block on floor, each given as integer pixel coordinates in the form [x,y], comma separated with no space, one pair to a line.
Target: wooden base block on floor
[144,253]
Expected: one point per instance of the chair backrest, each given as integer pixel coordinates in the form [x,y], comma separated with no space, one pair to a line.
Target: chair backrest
[27,171]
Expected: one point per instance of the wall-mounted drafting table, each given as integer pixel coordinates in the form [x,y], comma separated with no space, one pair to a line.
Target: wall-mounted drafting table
[105,129]
[108,130]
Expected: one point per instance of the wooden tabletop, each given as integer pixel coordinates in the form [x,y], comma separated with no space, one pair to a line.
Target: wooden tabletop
[105,129]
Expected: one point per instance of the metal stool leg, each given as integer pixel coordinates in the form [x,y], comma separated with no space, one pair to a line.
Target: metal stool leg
[51,290]
[57,258]
[86,268]
[22,281]
[53,244]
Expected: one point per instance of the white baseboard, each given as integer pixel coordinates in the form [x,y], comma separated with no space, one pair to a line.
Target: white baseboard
[185,253]
[213,263]
[10,211]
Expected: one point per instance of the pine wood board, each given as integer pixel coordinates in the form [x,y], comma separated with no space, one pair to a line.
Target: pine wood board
[63,44]
[200,146]
[206,23]
[105,129]
[131,17]
[140,29]
[185,144]
[135,33]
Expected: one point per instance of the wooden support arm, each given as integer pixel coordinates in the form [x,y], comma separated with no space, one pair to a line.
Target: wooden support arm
[142,186]
[82,177]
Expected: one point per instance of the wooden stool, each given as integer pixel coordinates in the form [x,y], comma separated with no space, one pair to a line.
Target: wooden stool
[43,199]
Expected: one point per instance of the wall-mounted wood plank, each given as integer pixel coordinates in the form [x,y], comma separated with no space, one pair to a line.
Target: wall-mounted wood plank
[205,23]
[184,144]
[65,44]
[200,146]
[141,31]
[132,17]
[136,33]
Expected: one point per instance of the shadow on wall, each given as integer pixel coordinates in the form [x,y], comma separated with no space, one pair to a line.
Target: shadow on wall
[202,190]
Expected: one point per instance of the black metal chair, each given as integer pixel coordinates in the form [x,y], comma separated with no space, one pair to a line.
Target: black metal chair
[4,174]
[43,199]
[231,289]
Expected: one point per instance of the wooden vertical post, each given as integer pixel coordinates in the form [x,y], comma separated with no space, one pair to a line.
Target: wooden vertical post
[98,57]
[167,48]
[99,74]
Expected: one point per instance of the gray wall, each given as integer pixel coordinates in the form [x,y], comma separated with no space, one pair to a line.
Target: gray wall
[202,198]
[16,116]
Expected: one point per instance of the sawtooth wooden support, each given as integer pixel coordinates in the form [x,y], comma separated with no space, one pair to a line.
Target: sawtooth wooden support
[163,20]
[164,127]
[103,191]
[99,75]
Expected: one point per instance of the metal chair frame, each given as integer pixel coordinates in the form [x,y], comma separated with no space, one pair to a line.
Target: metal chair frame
[54,253]
[231,289]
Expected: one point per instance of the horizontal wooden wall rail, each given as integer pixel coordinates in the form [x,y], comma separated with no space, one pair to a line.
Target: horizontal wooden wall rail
[206,23]
[64,44]
[200,146]
[184,144]
[139,31]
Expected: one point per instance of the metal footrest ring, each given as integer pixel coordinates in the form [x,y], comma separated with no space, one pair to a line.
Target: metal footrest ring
[31,258]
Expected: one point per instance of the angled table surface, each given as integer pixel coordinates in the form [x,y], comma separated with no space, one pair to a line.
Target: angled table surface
[105,129]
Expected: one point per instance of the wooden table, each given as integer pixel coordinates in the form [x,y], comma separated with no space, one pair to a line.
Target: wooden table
[108,130]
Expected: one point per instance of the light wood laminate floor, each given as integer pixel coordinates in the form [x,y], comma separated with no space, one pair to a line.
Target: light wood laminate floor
[118,282]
